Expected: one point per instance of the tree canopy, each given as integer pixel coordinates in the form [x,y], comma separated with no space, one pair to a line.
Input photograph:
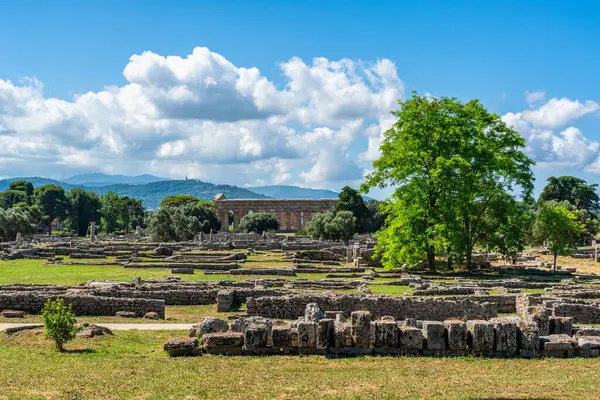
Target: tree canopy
[576,191]
[181,200]
[351,200]
[53,203]
[558,226]
[454,167]
[85,208]
[330,226]
[259,223]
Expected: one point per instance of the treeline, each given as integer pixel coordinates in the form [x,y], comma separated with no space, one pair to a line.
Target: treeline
[27,208]
[462,182]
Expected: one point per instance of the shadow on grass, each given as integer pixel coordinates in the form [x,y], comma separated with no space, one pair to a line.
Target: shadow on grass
[79,351]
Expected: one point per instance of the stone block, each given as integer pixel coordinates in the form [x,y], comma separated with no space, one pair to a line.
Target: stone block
[361,330]
[339,335]
[13,314]
[386,334]
[528,339]
[505,332]
[212,325]
[325,333]
[222,339]
[307,334]
[256,336]
[558,345]
[312,313]
[541,316]
[126,314]
[225,299]
[561,325]
[480,337]
[587,331]
[181,347]
[183,271]
[589,346]
[411,339]
[151,315]
[282,337]
[434,334]
[456,336]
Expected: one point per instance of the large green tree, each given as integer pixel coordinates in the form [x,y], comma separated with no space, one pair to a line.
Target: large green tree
[24,186]
[85,208]
[558,227]
[53,203]
[574,190]
[581,197]
[351,200]
[330,226]
[259,222]
[179,200]
[453,165]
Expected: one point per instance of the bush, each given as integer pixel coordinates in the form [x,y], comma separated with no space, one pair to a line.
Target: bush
[328,226]
[59,322]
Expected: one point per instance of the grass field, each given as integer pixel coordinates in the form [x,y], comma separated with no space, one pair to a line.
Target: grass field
[132,365]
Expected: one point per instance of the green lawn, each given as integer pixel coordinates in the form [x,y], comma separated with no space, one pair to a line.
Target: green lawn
[132,365]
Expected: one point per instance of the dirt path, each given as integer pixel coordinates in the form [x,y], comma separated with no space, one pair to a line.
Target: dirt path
[117,327]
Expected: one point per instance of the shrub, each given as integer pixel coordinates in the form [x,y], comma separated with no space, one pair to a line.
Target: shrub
[59,322]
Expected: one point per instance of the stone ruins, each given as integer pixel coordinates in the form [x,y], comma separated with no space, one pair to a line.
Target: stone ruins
[292,214]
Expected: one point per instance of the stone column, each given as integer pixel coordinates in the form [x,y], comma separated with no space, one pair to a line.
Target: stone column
[92,231]
[18,239]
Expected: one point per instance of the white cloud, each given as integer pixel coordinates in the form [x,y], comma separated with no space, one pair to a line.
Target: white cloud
[203,117]
[534,97]
[557,113]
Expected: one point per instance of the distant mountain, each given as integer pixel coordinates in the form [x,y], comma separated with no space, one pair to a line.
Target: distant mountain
[151,193]
[296,192]
[100,179]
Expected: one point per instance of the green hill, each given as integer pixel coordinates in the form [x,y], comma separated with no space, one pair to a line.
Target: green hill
[151,193]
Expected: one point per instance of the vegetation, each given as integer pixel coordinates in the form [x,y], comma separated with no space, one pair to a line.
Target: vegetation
[582,199]
[59,322]
[455,168]
[259,223]
[330,226]
[558,226]
[183,222]
[13,221]
[179,200]
[351,200]
[53,203]
[85,207]
[120,213]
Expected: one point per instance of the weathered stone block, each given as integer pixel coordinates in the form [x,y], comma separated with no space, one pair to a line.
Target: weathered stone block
[222,339]
[312,313]
[558,345]
[411,338]
[13,314]
[505,333]
[182,271]
[456,335]
[589,346]
[256,336]
[325,333]
[225,300]
[561,325]
[386,334]
[181,347]
[541,316]
[528,338]
[282,337]
[339,335]
[434,334]
[361,328]
[307,334]
[480,336]
[126,314]
[583,332]
[212,325]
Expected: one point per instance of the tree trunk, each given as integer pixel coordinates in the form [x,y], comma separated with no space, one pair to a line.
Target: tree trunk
[469,256]
[431,258]
[555,256]
[50,228]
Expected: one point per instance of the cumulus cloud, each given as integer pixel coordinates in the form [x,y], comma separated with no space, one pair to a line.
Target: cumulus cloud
[202,116]
[534,97]
[569,148]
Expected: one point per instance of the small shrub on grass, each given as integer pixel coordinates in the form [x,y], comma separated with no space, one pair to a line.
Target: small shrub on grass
[59,322]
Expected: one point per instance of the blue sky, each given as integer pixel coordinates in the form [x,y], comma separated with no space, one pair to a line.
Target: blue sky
[494,51]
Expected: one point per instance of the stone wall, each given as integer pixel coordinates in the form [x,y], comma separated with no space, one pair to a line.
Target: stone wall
[32,302]
[293,306]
